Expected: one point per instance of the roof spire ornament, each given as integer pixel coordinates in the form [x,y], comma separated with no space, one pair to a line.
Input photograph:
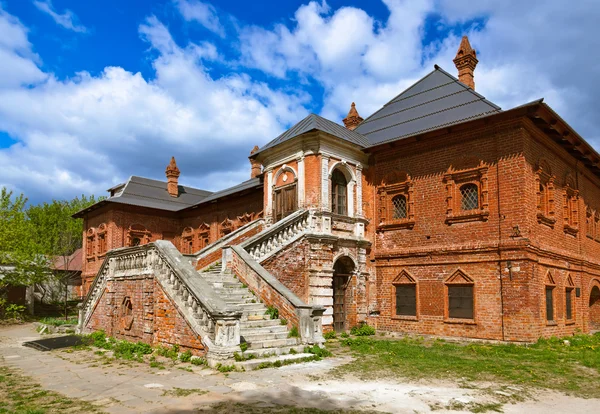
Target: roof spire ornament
[466,61]
[353,119]
[172,173]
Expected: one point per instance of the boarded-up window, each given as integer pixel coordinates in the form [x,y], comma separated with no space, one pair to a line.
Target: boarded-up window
[460,302]
[406,300]
[549,303]
[285,201]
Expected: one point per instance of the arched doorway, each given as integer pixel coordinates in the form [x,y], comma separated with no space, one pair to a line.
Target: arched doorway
[595,309]
[342,274]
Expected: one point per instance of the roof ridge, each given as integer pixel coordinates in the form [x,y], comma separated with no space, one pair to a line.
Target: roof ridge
[425,116]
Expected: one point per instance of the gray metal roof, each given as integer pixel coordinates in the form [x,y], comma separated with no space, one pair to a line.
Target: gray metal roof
[145,192]
[435,101]
[316,122]
[246,185]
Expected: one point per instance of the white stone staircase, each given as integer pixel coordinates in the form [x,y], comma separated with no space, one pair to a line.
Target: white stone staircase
[267,339]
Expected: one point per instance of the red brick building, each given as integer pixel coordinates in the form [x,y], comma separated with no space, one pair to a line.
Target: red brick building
[438,214]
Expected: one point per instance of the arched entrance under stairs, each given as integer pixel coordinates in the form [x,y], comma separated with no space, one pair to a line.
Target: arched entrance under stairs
[343,269]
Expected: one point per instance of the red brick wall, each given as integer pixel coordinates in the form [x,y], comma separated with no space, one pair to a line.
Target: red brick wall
[156,321]
[161,225]
[290,267]
[216,255]
[264,291]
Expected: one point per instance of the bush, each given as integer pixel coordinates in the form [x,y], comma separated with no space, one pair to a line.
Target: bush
[198,361]
[273,312]
[171,353]
[317,351]
[283,321]
[14,311]
[225,368]
[185,356]
[329,335]
[362,330]
[294,332]
[244,346]
[345,335]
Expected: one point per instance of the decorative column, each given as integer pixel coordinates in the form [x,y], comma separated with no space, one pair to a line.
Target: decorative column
[301,181]
[269,189]
[325,203]
[358,210]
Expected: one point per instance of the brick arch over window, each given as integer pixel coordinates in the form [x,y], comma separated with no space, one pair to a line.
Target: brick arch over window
[90,241]
[459,297]
[203,235]
[405,296]
[342,195]
[187,240]
[226,227]
[284,192]
[102,239]
[285,170]
[137,234]
[549,294]
[571,206]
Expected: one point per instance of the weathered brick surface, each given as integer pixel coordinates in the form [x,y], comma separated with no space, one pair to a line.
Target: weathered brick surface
[151,317]
[291,268]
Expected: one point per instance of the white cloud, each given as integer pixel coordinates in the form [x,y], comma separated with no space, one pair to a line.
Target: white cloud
[203,13]
[68,19]
[87,133]
[526,51]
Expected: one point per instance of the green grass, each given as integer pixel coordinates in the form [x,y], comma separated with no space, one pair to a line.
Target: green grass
[573,368]
[21,395]
[184,392]
[59,321]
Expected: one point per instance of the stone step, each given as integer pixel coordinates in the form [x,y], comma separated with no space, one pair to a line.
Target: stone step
[267,352]
[262,337]
[273,343]
[260,323]
[228,285]
[255,363]
[263,330]
[255,317]
[237,300]
[231,291]
[252,307]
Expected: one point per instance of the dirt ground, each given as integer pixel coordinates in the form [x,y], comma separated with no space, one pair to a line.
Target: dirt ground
[130,387]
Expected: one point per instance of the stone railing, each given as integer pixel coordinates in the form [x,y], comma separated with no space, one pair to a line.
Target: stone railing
[212,252]
[307,318]
[215,322]
[284,232]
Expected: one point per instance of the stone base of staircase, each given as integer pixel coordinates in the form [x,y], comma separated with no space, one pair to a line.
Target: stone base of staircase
[267,339]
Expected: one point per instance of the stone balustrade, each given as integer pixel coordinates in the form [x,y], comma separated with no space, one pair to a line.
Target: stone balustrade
[279,235]
[216,323]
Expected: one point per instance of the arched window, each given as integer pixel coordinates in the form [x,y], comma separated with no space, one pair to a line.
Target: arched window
[400,207]
[339,193]
[469,194]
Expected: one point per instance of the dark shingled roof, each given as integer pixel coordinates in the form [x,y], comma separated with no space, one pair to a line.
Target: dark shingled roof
[316,122]
[436,101]
[144,192]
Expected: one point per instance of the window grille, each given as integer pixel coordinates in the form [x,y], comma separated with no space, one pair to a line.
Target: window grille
[469,197]
[400,210]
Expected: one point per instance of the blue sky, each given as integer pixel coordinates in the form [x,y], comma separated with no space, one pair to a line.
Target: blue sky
[92,92]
